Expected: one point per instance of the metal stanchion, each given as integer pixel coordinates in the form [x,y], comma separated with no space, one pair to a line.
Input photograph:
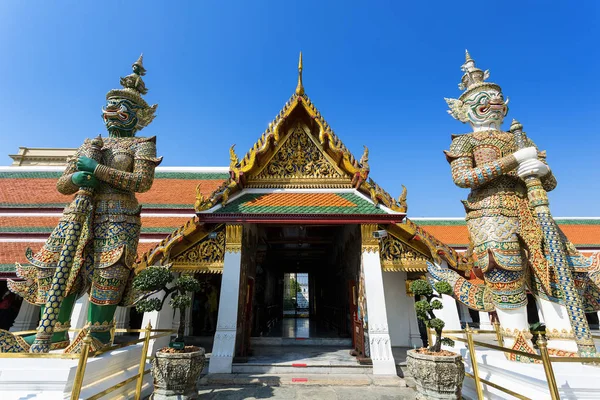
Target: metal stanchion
[78,381]
[140,379]
[474,365]
[543,346]
[498,334]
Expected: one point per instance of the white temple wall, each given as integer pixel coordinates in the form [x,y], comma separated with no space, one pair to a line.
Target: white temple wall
[400,309]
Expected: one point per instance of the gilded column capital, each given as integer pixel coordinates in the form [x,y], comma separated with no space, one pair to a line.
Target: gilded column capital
[370,244]
[233,241]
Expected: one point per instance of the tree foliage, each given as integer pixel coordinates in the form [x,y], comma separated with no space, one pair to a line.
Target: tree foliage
[429,301]
[156,279]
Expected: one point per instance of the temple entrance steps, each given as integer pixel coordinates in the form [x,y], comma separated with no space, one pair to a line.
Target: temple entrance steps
[298,341]
[300,359]
[312,379]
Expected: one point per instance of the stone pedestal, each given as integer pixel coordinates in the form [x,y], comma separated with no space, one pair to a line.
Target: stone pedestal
[51,378]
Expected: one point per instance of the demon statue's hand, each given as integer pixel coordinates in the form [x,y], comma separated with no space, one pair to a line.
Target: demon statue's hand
[532,167]
[528,153]
[83,178]
[86,164]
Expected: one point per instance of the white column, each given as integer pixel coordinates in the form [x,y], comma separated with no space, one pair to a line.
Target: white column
[485,323]
[162,319]
[122,318]
[27,318]
[79,315]
[379,337]
[224,343]
[558,326]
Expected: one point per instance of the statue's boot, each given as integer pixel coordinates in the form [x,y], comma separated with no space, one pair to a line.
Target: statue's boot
[99,326]
[10,343]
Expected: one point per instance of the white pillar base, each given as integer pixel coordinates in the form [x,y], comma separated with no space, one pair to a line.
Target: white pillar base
[513,320]
[557,323]
[485,324]
[221,359]
[122,318]
[79,314]
[27,318]
[379,338]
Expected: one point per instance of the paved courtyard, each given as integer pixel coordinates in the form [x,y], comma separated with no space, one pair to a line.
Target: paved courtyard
[300,392]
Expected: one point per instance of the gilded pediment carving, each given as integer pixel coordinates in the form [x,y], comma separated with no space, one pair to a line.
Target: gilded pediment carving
[398,256]
[299,162]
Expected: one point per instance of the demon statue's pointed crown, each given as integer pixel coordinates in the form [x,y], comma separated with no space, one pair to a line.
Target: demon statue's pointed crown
[482,103]
[126,112]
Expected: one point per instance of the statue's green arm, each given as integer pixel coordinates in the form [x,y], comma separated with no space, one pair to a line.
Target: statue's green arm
[465,175]
[140,180]
[65,184]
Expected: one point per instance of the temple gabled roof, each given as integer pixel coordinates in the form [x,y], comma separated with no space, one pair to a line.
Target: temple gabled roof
[299,150]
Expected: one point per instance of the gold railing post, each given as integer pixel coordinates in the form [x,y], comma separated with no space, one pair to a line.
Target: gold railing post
[499,337]
[113,328]
[78,381]
[474,365]
[140,379]
[543,346]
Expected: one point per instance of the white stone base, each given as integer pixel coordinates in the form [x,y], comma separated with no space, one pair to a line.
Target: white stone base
[574,380]
[44,378]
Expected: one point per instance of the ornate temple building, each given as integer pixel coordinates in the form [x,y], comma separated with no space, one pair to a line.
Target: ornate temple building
[297,206]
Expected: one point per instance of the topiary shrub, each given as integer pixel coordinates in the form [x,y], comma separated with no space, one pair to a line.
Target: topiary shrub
[156,279]
[425,306]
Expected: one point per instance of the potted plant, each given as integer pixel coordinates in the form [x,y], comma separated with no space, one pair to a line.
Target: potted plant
[175,368]
[438,373]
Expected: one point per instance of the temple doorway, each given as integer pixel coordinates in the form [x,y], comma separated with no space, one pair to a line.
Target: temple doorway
[303,279]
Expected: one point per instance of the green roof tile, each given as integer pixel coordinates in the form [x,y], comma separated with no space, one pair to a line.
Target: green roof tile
[240,206]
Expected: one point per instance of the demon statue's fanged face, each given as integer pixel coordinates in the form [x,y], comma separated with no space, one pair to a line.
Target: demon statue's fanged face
[482,104]
[120,117]
[485,108]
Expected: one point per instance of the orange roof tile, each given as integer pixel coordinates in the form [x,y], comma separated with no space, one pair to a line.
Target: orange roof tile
[11,252]
[42,191]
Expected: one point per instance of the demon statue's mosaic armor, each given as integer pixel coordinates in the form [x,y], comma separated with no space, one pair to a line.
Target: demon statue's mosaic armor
[508,235]
[94,246]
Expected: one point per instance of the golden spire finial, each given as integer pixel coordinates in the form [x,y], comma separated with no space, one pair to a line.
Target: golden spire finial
[300,87]
[467,56]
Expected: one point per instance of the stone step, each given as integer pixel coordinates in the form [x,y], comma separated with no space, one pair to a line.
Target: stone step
[303,379]
[300,367]
[277,341]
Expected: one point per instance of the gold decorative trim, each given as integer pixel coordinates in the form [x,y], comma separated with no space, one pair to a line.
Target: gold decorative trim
[206,254]
[515,333]
[298,161]
[563,334]
[370,244]
[233,242]
[216,268]
[398,256]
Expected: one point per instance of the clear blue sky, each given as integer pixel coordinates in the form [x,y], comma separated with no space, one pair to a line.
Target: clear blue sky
[378,71]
